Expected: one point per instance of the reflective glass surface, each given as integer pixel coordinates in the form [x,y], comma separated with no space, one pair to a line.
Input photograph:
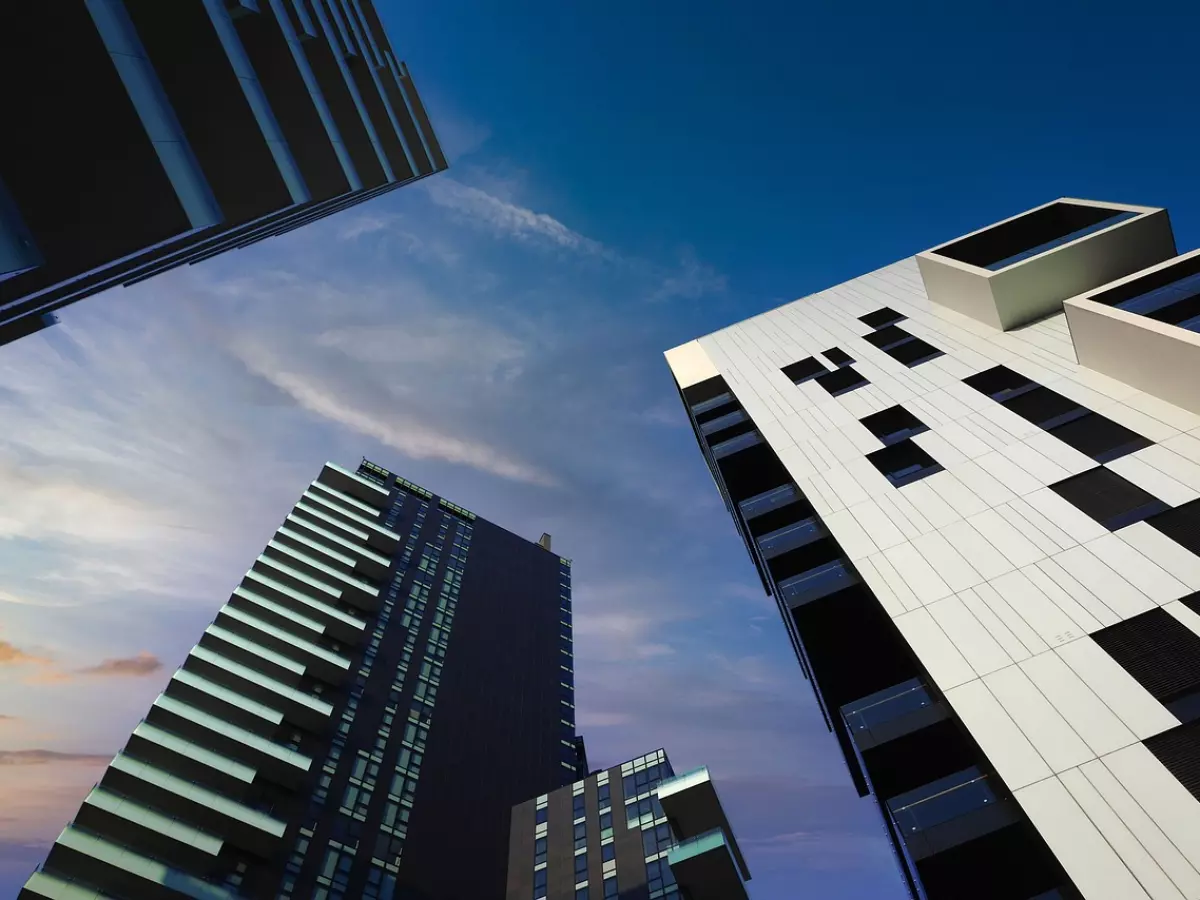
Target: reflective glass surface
[885,706]
[790,537]
[733,445]
[817,583]
[765,502]
[942,801]
[712,403]
[738,415]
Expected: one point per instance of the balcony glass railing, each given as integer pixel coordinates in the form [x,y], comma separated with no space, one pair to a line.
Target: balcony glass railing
[683,781]
[768,500]
[701,844]
[721,422]
[712,403]
[733,445]
[790,537]
[817,583]
[886,706]
[942,801]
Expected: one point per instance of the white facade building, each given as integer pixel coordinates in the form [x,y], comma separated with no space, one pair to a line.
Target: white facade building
[987,555]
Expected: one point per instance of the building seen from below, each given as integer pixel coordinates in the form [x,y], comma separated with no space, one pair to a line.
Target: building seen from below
[149,135]
[971,480]
[635,831]
[326,737]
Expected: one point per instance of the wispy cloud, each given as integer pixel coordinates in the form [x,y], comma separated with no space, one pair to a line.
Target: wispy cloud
[47,757]
[15,656]
[145,663]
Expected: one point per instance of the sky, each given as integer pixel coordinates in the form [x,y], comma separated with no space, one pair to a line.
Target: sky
[624,177]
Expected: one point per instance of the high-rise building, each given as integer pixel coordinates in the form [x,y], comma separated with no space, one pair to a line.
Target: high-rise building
[142,135]
[971,480]
[636,831]
[391,676]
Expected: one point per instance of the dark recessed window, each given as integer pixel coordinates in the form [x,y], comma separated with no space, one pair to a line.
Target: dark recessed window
[904,462]
[730,431]
[838,356]
[1108,498]
[881,317]
[1000,383]
[888,336]
[712,426]
[839,381]
[1179,752]
[913,352]
[1044,407]
[715,412]
[1182,525]
[804,370]
[1098,437]
[893,424]
[734,444]
[1163,655]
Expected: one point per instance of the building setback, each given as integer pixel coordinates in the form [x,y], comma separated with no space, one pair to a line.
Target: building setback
[149,135]
[391,676]
[635,831]
[987,554]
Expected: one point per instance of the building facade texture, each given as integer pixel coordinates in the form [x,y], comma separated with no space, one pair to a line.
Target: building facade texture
[634,831]
[987,554]
[147,135]
[391,676]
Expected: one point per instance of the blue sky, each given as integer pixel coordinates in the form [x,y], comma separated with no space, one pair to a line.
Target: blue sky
[625,177]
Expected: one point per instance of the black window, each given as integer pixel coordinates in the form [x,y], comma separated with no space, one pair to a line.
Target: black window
[1108,498]
[839,381]
[913,352]
[716,412]
[904,462]
[539,851]
[893,424]
[1179,752]
[610,888]
[539,883]
[999,382]
[1044,407]
[728,427]
[881,317]
[541,814]
[888,336]
[1163,655]
[608,851]
[579,805]
[581,867]
[1182,525]
[1099,437]
[602,794]
[804,369]
[580,835]
[838,356]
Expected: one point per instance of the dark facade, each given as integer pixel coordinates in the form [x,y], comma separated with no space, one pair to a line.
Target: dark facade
[634,831]
[145,135]
[390,678]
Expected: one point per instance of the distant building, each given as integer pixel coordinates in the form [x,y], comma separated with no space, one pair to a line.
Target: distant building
[391,676]
[142,135]
[971,480]
[634,832]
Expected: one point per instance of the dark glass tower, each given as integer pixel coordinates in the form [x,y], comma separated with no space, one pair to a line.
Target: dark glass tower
[391,676]
[155,134]
[635,831]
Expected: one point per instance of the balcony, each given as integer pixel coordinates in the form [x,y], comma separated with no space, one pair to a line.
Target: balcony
[263,586]
[692,807]
[704,867]
[950,811]
[1022,269]
[355,485]
[892,713]
[1144,330]
[827,578]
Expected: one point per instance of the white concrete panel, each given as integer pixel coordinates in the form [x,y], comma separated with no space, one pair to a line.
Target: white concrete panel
[1149,835]
[907,526]
[1024,517]
[690,364]
[984,557]
[951,565]
[848,490]
[878,526]
[983,430]
[1186,445]
[980,649]
[1006,746]
[819,494]
[1167,554]
[796,462]
[869,477]
[880,588]
[1078,613]
[1011,618]
[897,586]
[1088,858]
[986,486]
[1143,573]
[1148,478]
[1145,425]
[1095,723]
[957,495]
[1177,466]
[1163,411]
[1131,852]
[946,666]
[1059,453]
[1114,591]
[939,448]
[1008,420]
[1161,795]
[850,535]
[1079,525]
[1120,691]
[906,508]
[937,511]
[949,405]
[1015,546]
[1002,634]
[1034,463]
[1055,741]
[1050,623]
[1185,616]
[860,438]
[917,573]
[1008,473]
